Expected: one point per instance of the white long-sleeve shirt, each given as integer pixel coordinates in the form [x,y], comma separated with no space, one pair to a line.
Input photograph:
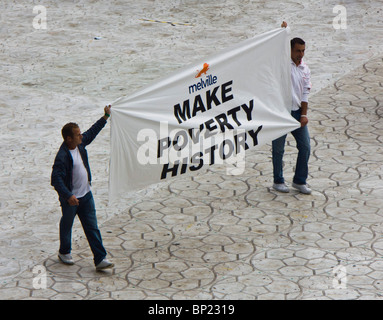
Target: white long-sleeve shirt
[301,84]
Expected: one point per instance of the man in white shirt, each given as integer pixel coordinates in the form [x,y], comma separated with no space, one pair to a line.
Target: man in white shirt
[71,177]
[301,85]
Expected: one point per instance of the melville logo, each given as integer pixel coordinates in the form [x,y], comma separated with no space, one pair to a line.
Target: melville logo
[204,70]
[201,84]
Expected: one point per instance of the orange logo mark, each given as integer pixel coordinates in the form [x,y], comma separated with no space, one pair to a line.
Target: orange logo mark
[204,70]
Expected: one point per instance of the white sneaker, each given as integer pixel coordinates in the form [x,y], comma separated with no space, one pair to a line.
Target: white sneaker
[281,187]
[66,258]
[104,264]
[302,188]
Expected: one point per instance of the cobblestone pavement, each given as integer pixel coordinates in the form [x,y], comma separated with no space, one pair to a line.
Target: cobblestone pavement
[211,236]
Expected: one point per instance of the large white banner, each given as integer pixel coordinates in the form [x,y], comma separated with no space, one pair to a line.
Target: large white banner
[208,113]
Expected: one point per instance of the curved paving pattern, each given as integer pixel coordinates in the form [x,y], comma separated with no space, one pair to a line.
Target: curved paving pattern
[211,236]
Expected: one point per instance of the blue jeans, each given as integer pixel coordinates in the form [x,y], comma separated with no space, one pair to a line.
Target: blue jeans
[302,139]
[86,212]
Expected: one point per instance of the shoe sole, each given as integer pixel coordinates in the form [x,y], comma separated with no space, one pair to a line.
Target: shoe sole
[281,190]
[307,193]
[106,267]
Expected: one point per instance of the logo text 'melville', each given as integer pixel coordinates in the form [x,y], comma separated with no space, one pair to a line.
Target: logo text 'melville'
[203,83]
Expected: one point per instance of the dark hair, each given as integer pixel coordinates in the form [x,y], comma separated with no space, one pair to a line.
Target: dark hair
[295,41]
[67,130]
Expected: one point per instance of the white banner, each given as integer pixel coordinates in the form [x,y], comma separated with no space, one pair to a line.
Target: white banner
[207,113]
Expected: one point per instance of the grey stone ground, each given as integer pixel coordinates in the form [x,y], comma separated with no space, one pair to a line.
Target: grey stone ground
[211,236]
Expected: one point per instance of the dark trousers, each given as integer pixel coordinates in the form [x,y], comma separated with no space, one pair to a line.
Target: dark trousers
[302,138]
[86,212]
